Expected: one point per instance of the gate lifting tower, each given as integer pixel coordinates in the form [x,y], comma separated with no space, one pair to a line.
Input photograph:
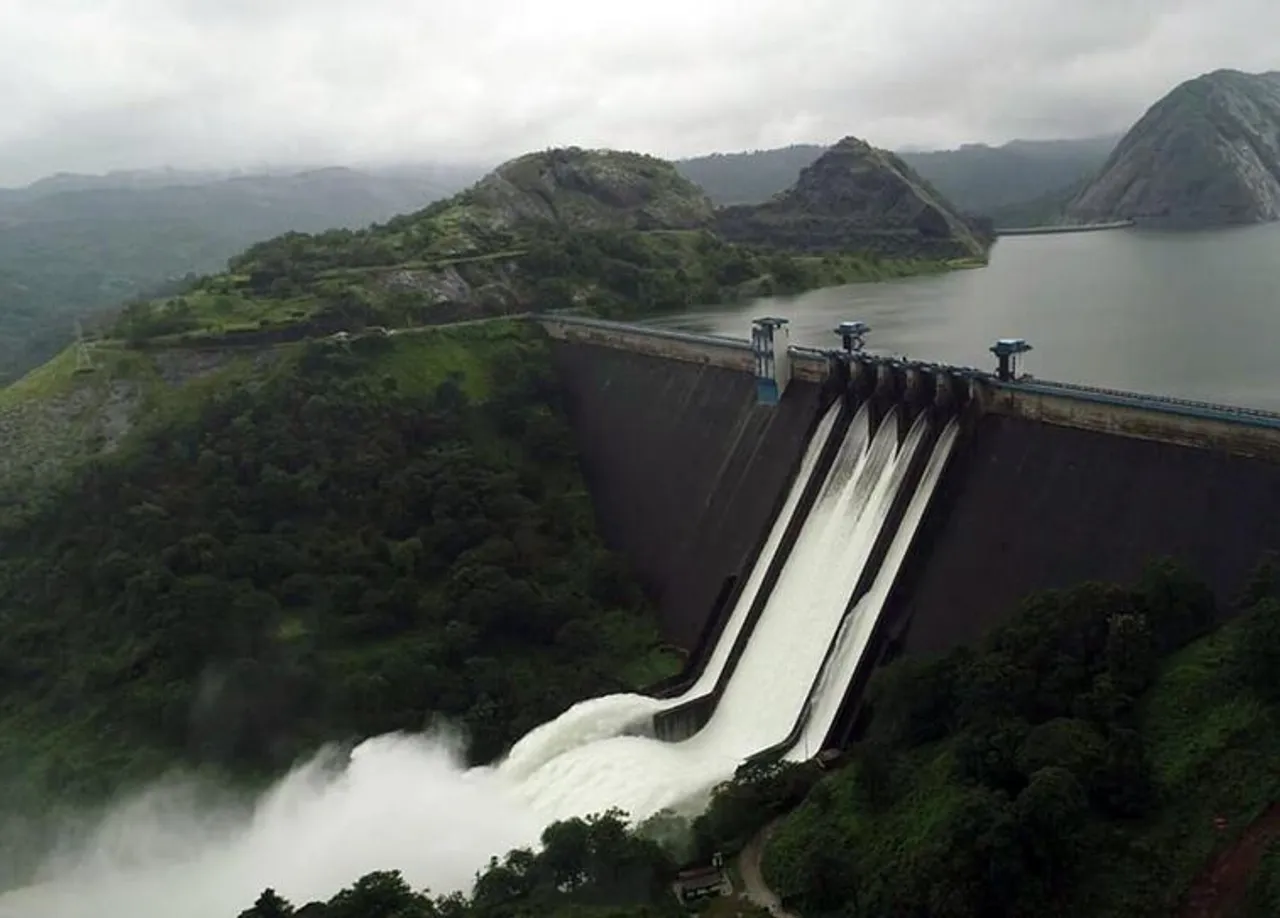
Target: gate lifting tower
[771,345]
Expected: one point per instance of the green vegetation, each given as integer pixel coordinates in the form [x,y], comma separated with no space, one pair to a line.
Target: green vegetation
[605,232]
[356,538]
[71,246]
[1091,757]
[590,868]
[1074,764]
[855,196]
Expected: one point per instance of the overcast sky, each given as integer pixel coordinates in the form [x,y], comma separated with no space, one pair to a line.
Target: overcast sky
[91,85]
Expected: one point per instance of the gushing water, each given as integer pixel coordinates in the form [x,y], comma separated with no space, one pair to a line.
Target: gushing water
[855,632]
[758,708]
[751,588]
[408,803]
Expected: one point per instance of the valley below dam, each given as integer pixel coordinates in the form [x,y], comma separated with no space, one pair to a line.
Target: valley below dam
[1186,314]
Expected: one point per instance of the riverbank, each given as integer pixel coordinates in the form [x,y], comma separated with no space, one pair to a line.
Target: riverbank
[1056,230]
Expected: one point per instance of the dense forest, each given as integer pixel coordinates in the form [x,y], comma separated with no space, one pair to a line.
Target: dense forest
[1088,758]
[362,539]
[599,231]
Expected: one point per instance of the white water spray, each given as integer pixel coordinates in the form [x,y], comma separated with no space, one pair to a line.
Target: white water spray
[402,803]
[751,588]
[766,688]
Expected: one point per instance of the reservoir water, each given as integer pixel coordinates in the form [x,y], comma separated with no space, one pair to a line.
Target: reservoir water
[1193,315]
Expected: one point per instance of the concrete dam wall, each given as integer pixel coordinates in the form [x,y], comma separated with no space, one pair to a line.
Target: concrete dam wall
[685,468]
[1029,506]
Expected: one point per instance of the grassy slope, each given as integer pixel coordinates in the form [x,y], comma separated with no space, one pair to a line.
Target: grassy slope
[1213,747]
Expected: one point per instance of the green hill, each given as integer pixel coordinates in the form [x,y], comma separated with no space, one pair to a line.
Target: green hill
[614,233]
[74,245]
[255,553]
[1017,183]
[855,195]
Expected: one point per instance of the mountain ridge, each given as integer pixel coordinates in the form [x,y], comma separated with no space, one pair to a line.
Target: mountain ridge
[1205,154]
[856,195]
[977,178]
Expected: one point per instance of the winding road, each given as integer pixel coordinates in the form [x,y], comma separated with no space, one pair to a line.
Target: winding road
[755,889]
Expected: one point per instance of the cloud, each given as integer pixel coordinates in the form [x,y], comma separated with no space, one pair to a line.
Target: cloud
[91,85]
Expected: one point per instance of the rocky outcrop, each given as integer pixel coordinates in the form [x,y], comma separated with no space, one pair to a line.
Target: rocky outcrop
[1207,154]
[856,197]
[591,189]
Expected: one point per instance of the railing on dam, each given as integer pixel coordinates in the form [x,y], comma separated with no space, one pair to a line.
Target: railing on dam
[649,331]
[1208,410]
[811,364]
[818,363]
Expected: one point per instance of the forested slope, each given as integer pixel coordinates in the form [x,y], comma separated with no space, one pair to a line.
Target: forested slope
[353,539]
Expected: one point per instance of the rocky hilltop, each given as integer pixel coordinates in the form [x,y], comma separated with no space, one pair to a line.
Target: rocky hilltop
[858,197]
[592,189]
[1207,154]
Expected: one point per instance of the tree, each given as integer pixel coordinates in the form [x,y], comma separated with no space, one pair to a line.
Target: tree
[914,701]
[1178,606]
[1051,810]
[1258,648]
[269,905]
[1131,652]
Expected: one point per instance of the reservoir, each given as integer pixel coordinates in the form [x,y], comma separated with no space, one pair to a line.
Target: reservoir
[1192,315]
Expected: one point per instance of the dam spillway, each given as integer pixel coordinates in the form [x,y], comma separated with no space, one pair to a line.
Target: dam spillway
[1046,485]
[761,689]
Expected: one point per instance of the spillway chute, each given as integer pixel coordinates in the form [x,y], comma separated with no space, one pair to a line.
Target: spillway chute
[751,587]
[849,657]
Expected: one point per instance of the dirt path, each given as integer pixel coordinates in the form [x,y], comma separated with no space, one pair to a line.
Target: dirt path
[1220,889]
[755,889]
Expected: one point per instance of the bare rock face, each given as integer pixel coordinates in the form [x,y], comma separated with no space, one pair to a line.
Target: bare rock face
[1207,154]
[856,197]
[591,189]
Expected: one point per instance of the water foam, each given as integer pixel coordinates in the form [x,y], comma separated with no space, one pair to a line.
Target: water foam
[855,632]
[402,803]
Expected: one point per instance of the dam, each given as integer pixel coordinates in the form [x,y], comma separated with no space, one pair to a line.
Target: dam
[965,490]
